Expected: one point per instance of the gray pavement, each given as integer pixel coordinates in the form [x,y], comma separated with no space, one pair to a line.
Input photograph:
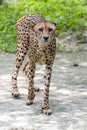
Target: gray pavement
[68,96]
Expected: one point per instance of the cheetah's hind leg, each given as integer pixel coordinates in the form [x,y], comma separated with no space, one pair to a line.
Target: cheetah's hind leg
[36,89]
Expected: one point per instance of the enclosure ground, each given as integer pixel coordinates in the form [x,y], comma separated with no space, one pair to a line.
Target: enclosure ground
[68,95]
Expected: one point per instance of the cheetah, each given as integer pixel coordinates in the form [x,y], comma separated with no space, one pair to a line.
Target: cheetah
[36,39]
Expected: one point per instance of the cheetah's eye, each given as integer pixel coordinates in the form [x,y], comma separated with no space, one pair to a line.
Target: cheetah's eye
[50,29]
[40,29]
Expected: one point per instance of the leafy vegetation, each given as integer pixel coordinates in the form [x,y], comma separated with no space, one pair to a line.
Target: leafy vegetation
[69,14]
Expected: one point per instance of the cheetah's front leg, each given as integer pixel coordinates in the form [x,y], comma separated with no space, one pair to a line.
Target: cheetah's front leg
[29,71]
[45,105]
[21,53]
[19,60]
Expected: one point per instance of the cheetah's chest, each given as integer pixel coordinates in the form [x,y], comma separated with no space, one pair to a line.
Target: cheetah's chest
[38,55]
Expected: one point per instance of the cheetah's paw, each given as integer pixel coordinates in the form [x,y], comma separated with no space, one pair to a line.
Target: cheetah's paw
[15,92]
[46,111]
[30,99]
[29,102]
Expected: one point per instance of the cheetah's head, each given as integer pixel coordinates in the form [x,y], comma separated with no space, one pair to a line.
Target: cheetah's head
[45,32]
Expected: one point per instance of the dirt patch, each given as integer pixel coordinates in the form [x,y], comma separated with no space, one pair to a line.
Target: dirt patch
[73,42]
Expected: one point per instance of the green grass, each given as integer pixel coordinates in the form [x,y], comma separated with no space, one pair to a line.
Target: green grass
[69,14]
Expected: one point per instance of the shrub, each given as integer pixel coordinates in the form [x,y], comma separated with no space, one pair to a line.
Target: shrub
[70,15]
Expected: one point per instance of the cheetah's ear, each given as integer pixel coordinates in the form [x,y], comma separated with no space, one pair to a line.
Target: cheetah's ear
[54,23]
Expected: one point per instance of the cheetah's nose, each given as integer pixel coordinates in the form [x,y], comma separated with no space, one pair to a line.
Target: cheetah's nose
[46,38]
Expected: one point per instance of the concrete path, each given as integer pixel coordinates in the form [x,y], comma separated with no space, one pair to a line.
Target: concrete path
[68,96]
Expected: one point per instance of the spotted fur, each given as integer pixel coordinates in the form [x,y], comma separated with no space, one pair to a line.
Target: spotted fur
[36,38]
